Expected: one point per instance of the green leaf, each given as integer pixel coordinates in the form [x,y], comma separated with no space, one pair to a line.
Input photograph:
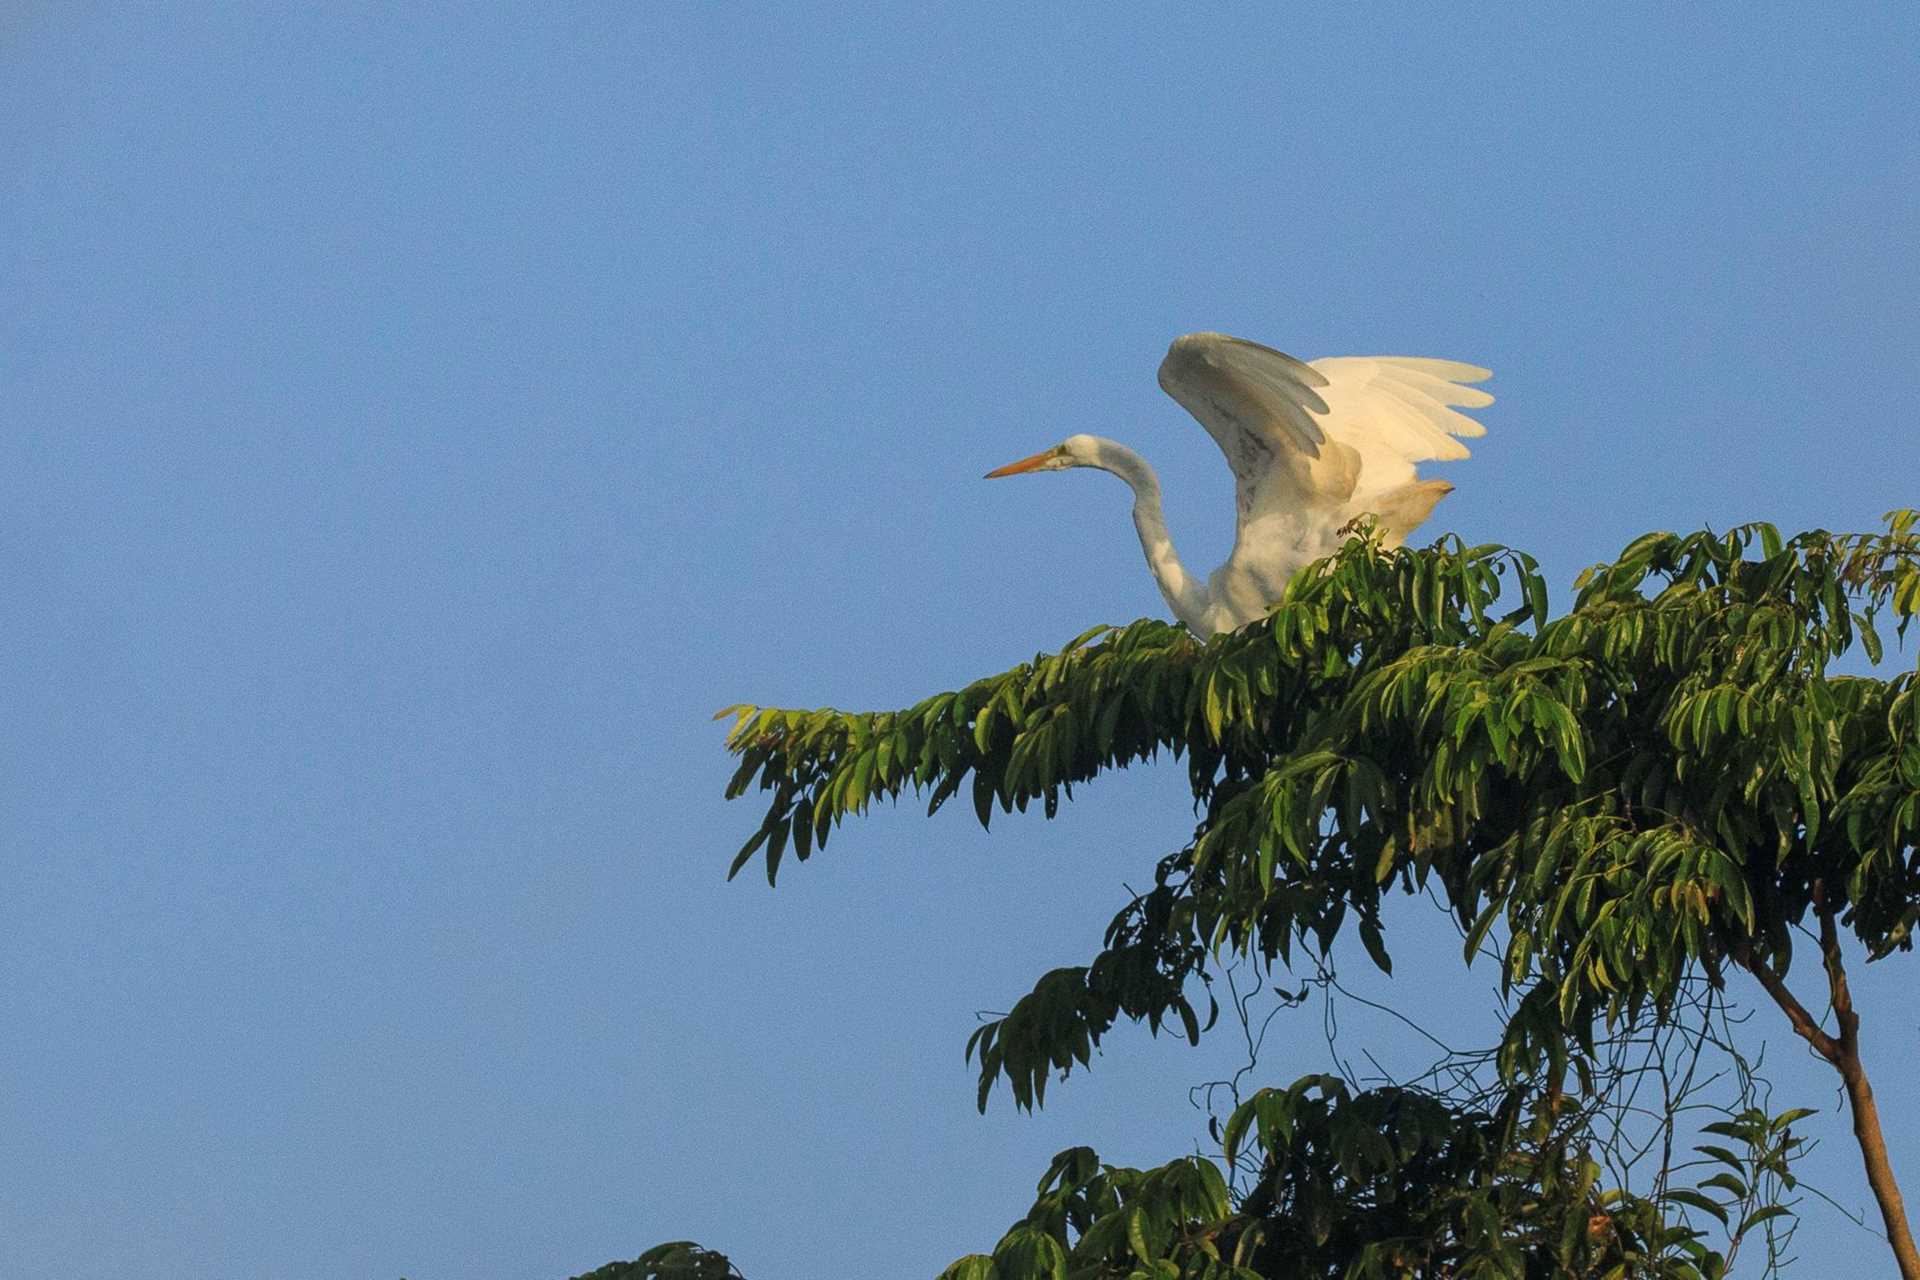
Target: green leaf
[1236,1129]
[1738,1130]
[983,729]
[1216,708]
[1869,638]
[747,850]
[776,846]
[1536,592]
[1384,864]
[1724,1156]
[1735,1187]
[1765,1214]
[1478,932]
[1137,1235]
[1376,947]
[1693,1199]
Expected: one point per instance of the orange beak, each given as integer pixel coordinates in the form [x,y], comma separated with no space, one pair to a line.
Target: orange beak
[1034,463]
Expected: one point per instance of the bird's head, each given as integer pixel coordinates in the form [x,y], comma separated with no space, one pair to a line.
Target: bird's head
[1074,451]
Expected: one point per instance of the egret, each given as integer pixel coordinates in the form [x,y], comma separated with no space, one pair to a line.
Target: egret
[1313,445]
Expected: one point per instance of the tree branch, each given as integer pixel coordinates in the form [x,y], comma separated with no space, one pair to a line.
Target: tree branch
[1803,1022]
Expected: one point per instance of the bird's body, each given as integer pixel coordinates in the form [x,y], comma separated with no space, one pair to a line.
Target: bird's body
[1312,446]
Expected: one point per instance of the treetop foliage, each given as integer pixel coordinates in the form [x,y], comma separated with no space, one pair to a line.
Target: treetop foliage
[1617,805]
[1668,774]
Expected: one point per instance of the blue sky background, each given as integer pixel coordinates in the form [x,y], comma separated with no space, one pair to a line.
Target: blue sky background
[416,421]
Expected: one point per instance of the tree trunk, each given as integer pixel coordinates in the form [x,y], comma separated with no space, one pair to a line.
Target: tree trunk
[1873,1149]
[1843,1051]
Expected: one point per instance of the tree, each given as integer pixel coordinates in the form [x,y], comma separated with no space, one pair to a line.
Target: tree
[1627,807]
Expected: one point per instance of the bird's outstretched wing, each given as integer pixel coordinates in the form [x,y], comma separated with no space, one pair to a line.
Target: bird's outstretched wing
[1332,432]
[1260,407]
[1395,411]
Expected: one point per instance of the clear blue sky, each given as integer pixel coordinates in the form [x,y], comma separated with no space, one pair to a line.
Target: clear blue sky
[416,421]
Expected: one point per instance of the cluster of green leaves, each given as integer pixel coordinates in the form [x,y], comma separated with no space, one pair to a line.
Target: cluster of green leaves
[675,1260]
[1740,1189]
[1664,776]
[1386,1184]
[1658,784]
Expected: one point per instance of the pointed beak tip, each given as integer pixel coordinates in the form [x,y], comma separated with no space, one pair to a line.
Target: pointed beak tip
[1033,463]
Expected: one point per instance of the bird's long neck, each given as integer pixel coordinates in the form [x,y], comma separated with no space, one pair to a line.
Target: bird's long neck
[1186,595]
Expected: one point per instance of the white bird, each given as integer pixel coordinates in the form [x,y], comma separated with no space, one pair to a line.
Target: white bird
[1312,446]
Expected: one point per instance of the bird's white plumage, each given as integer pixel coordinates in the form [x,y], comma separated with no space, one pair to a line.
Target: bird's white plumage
[1312,446]
[1391,411]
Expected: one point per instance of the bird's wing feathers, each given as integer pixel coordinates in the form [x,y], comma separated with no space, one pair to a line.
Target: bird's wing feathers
[1325,432]
[1260,407]
[1232,385]
[1400,408]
